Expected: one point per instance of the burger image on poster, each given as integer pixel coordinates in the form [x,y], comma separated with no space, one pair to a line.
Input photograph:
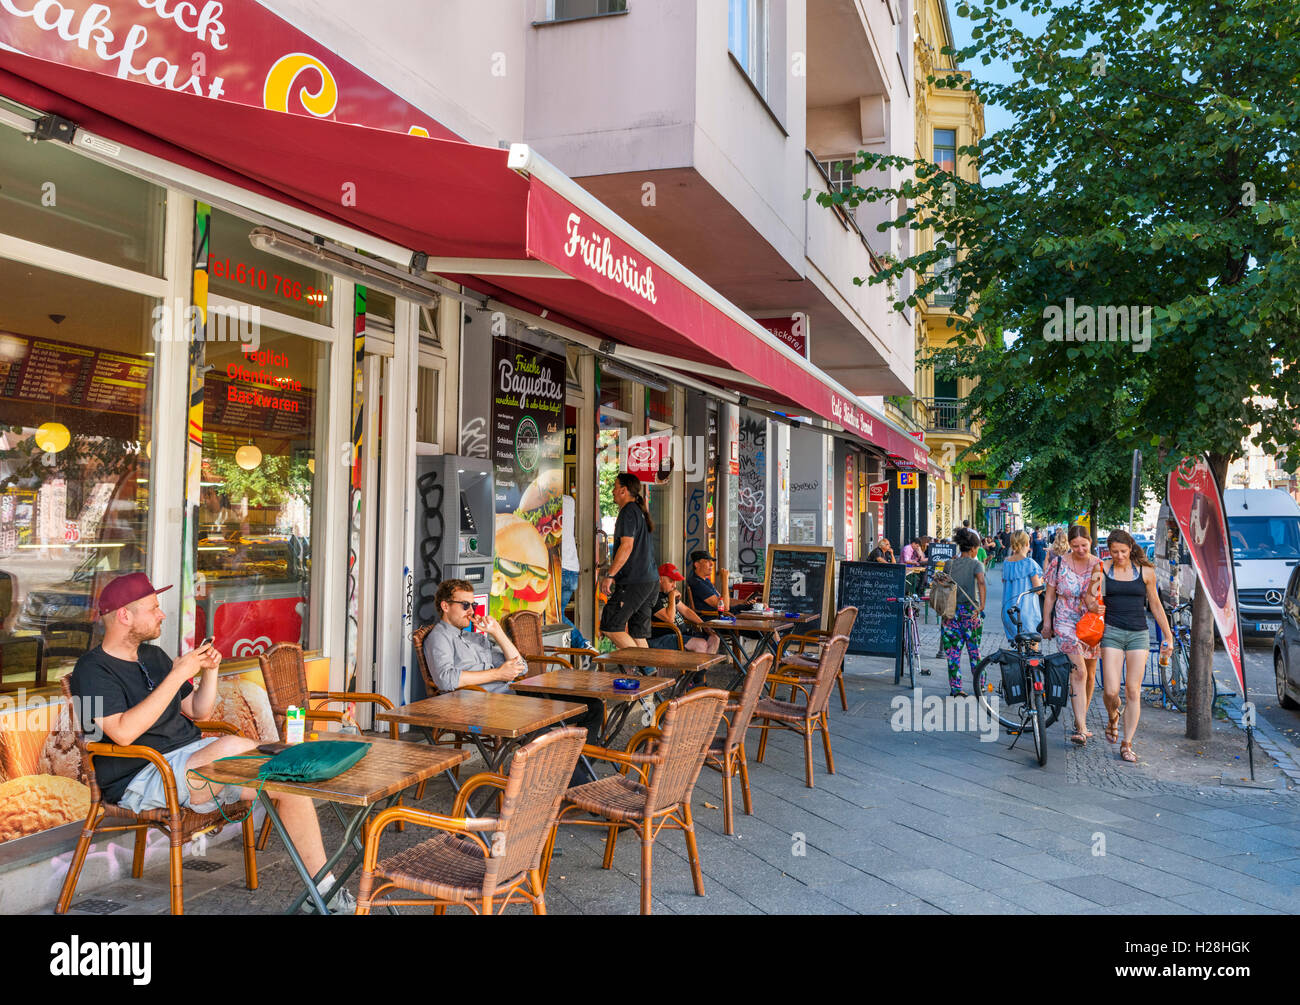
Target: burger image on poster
[521,575]
[540,505]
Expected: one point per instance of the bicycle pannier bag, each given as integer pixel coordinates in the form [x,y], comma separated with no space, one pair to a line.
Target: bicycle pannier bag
[1056,679]
[1013,677]
[943,595]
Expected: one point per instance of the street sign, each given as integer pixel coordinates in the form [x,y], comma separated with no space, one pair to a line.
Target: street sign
[907,479]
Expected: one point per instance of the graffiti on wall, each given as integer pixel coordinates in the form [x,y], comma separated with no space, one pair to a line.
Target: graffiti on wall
[751,507]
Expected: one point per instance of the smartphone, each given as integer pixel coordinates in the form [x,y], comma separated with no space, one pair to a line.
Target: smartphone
[206,642]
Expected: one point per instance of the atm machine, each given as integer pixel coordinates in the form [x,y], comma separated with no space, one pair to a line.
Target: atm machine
[454,521]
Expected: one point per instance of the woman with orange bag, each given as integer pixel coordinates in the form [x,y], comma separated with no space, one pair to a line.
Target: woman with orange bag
[1071,593]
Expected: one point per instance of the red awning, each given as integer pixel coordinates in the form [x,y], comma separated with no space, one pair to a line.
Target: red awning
[453,200]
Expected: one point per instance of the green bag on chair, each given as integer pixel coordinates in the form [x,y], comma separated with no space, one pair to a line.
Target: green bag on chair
[313,761]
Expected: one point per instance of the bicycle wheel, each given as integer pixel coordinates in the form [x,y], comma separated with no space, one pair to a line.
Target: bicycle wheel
[910,656]
[1173,678]
[986,686]
[1040,732]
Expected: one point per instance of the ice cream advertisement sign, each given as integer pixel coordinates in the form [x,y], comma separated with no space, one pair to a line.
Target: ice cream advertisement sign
[225,50]
[1196,500]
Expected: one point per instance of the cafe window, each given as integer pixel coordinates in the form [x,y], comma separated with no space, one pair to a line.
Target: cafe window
[260,509]
[52,195]
[76,394]
[241,272]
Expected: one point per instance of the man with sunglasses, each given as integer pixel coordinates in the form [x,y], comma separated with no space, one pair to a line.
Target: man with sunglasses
[458,658]
[148,700]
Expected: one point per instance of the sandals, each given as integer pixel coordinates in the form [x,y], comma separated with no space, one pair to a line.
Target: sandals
[1126,752]
[1112,728]
[1081,739]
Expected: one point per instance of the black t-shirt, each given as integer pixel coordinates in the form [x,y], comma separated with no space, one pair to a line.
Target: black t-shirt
[658,627]
[701,590]
[122,685]
[640,565]
[879,555]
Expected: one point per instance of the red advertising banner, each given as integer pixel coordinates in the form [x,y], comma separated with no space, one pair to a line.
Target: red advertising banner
[850,513]
[1196,499]
[879,492]
[226,50]
[650,457]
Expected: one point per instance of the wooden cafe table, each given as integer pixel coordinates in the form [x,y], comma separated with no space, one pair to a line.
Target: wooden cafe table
[683,662]
[597,685]
[512,719]
[765,629]
[389,768]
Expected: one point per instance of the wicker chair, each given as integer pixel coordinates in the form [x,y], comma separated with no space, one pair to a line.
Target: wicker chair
[177,823]
[727,752]
[804,718]
[525,630]
[668,774]
[285,674]
[806,657]
[457,866]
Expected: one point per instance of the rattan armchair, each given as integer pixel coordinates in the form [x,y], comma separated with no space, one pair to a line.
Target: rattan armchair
[800,655]
[525,630]
[804,717]
[727,752]
[458,867]
[661,794]
[285,673]
[179,824]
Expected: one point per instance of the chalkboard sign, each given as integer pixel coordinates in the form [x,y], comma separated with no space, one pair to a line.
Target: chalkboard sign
[940,551]
[800,578]
[878,631]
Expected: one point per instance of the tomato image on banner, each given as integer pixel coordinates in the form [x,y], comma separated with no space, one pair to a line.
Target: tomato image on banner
[1196,500]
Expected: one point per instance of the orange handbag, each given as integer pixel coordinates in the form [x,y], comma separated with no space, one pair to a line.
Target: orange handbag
[1092,625]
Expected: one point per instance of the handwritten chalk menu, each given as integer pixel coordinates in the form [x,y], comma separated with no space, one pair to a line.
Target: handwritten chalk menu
[800,578]
[878,630]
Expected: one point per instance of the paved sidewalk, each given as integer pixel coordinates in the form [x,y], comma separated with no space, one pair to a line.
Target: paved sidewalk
[910,823]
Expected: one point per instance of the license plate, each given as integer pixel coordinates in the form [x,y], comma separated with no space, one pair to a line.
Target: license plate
[1267,626]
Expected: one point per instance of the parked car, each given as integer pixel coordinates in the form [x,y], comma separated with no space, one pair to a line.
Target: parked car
[1286,646]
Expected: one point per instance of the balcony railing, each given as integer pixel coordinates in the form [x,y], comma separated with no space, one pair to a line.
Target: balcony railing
[902,414]
[946,415]
[946,295]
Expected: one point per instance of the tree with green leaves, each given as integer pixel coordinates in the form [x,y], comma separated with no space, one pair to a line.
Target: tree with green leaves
[1149,175]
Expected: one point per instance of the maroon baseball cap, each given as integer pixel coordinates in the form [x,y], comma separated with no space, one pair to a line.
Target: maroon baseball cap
[670,570]
[125,590]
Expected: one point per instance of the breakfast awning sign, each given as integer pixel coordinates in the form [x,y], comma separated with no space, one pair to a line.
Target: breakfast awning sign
[225,50]
[528,388]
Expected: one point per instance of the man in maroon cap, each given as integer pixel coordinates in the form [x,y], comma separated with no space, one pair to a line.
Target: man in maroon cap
[147,699]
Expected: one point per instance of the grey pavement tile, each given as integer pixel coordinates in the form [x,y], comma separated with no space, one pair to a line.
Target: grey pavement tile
[993,845]
[1271,814]
[1285,881]
[1254,890]
[916,906]
[1101,890]
[1041,865]
[1148,905]
[1044,898]
[929,883]
[1225,819]
[1217,902]
[983,902]
[1050,840]
[986,873]
[1281,833]
[1155,882]
[1207,848]
[1251,841]
[863,893]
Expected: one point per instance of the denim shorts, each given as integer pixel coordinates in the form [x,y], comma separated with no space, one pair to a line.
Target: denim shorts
[1126,640]
[146,792]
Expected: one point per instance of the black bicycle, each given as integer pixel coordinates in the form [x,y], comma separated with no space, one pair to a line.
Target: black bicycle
[911,638]
[1023,686]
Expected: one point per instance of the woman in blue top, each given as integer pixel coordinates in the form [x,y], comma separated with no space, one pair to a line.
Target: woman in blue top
[1020,573]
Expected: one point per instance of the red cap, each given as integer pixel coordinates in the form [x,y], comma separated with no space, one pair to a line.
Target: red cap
[125,590]
[670,570]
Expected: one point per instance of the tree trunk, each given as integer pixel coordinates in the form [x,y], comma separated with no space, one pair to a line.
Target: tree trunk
[1200,675]
[1093,506]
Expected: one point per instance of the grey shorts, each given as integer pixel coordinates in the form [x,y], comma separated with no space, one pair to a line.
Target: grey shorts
[146,791]
[1125,640]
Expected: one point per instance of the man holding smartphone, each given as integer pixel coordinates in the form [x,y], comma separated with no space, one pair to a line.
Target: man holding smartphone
[458,657]
[147,699]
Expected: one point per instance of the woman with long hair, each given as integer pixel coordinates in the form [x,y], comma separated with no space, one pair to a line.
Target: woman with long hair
[1129,592]
[633,576]
[965,629]
[1019,574]
[1069,594]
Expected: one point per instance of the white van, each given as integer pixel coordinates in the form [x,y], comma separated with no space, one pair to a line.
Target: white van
[1264,525]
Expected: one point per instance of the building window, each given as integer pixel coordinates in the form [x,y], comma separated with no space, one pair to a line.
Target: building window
[839,174]
[945,149]
[568,10]
[944,269]
[76,413]
[264,417]
[747,39]
[241,272]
